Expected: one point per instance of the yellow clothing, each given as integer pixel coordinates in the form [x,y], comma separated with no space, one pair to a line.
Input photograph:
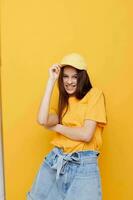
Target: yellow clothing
[91,106]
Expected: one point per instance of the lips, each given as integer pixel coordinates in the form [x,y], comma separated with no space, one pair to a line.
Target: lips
[70,87]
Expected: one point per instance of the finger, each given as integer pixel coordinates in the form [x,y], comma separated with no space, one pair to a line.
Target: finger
[59,65]
[57,68]
[55,65]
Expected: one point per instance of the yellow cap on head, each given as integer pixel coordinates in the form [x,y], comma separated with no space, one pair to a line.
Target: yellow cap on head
[75,60]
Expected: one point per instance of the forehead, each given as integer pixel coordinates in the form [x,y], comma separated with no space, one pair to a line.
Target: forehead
[69,69]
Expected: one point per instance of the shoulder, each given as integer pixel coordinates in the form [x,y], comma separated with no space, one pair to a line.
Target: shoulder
[94,92]
[94,95]
[91,95]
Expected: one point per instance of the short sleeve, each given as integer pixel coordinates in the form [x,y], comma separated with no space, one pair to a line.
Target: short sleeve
[53,109]
[96,108]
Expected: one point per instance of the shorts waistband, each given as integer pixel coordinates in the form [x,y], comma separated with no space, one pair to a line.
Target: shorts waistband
[79,154]
[78,157]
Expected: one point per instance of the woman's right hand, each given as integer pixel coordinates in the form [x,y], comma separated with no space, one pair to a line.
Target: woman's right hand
[54,71]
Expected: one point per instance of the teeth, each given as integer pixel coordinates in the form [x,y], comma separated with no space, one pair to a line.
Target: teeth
[70,86]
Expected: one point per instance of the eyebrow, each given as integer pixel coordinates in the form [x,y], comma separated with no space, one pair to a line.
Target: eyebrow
[67,74]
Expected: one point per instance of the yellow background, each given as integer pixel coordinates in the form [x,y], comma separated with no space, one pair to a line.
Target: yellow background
[36,34]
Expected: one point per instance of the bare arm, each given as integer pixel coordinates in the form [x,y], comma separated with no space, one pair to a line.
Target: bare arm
[83,133]
[43,115]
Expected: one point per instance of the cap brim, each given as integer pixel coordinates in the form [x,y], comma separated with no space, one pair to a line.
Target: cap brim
[62,65]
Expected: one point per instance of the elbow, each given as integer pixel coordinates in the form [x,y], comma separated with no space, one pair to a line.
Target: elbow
[88,134]
[86,137]
[42,123]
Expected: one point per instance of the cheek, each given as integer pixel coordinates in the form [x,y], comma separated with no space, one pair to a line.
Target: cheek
[76,81]
[64,81]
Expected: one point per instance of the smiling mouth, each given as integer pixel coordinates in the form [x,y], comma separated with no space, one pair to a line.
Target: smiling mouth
[70,87]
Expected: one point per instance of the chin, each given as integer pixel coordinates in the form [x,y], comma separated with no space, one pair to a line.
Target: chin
[70,93]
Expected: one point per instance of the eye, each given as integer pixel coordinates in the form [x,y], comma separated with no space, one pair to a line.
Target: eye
[65,76]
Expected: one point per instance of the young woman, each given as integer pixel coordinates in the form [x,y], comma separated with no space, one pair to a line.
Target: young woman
[70,170]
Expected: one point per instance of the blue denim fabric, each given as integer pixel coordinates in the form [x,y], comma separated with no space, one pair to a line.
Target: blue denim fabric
[72,176]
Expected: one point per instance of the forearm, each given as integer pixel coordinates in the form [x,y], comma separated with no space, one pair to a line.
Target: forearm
[74,133]
[45,103]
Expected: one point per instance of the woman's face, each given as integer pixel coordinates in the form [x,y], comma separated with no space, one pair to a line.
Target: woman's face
[70,76]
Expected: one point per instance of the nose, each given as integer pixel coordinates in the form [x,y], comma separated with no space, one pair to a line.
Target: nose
[69,80]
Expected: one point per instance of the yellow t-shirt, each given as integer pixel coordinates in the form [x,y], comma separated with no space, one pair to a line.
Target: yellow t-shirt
[91,106]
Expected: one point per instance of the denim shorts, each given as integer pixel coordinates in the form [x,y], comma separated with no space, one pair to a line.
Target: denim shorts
[67,176]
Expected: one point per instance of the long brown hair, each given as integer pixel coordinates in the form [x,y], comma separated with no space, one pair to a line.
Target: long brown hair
[83,86]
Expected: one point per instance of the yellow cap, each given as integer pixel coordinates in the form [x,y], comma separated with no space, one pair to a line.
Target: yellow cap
[75,60]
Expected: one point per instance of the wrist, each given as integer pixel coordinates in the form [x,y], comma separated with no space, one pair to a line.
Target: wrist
[51,80]
[57,127]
